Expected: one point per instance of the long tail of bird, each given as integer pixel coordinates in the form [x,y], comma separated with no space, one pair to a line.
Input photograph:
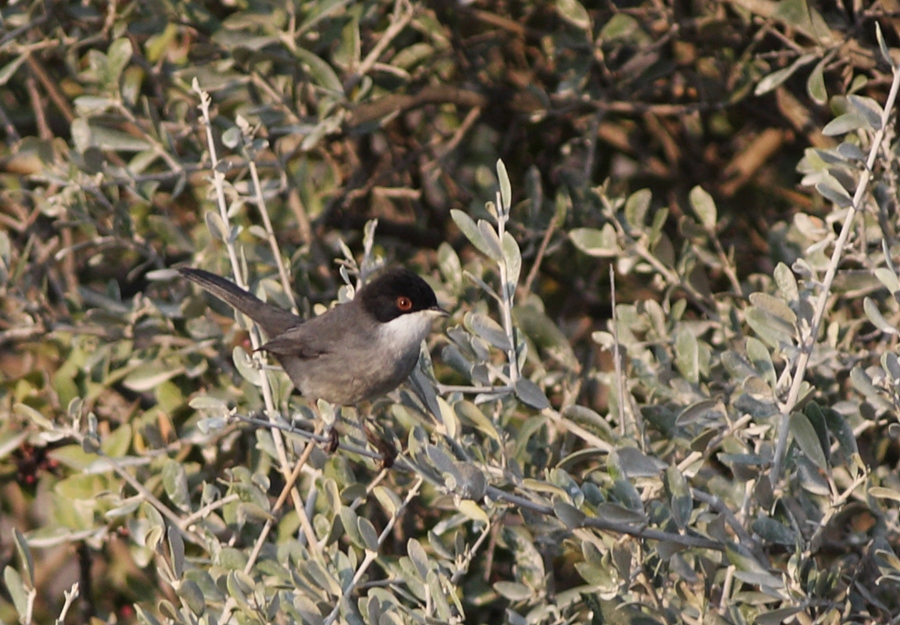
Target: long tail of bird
[271,319]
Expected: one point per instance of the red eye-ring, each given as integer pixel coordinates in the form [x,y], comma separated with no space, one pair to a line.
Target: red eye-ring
[404,303]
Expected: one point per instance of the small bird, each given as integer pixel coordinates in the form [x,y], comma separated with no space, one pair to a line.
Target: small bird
[355,351]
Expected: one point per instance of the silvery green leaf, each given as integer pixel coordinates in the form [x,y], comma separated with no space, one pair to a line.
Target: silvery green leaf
[513,591]
[176,485]
[193,597]
[601,243]
[471,413]
[245,366]
[635,463]
[851,151]
[216,225]
[874,315]
[505,187]
[771,319]
[868,109]
[26,561]
[615,513]
[350,523]
[888,278]
[761,358]
[231,138]
[815,84]
[572,517]
[472,482]
[831,190]
[531,394]
[882,45]
[481,283]
[207,402]
[450,266]
[513,259]
[787,283]
[773,532]
[418,557]
[574,12]
[704,207]
[176,551]
[319,70]
[687,355]
[17,592]
[149,375]
[842,124]
[777,78]
[368,533]
[475,235]
[495,251]
[488,329]
[636,207]
[24,410]
[682,504]
[807,439]
[777,617]
[145,617]
[698,412]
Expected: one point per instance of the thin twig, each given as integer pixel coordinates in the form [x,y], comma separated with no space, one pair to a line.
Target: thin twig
[809,341]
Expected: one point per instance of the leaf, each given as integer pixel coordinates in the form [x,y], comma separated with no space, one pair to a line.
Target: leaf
[118,56]
[175,482]
[573,12]
[26,560]
[771,319]
[774,532]
[842,124]
[8,70]
[505,187]
[320,71]
[868,109]
[787,283]
[601,243]
[17,592]
[513,591]
[572,517]
[176,551]
[882,45]
[874,315]
[807,439]
[245,366]
[488,329]
[368,533]
[475,235]
[777,78]
[634,463]
[513,259]
[679,497]
[531,394]
[468,411]
[832,190]
[616,513]
[687,355]
[815,84]
[704,207]
[149,375]
[888,278]
[24,410]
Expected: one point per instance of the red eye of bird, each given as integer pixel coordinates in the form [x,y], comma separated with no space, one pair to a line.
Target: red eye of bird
[404,303]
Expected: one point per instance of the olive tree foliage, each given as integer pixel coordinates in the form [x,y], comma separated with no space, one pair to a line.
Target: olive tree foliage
[621,421]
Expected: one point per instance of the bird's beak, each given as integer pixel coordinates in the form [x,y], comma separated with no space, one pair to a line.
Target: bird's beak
[437,311]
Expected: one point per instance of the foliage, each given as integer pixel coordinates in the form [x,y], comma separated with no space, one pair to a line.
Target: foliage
[668,389]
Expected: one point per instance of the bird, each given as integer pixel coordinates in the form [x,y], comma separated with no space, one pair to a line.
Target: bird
[356,351]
